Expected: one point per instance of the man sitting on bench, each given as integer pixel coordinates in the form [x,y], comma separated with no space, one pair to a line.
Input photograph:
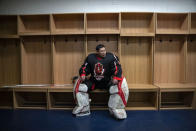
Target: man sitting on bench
[106,73]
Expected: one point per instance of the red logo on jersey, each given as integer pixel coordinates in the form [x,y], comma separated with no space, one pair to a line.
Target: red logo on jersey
[98,71]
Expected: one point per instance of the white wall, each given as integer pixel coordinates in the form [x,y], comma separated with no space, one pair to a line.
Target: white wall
[63,6]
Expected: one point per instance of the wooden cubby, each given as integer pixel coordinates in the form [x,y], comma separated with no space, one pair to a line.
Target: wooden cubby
[68,56]
[30,97]
[9,61]
[8,26]
[172,23]
[176,98]
[36,61]
[34,24]
[61,97]
[193,23]
[6,98]
[143,99]
[102,23]
[110,42]
[137,24]
[67,24]
[191,60]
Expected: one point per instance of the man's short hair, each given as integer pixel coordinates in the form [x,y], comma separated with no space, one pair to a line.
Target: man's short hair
[99,47]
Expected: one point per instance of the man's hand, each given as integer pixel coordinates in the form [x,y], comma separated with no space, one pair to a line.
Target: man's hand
[114,81]
[82,78]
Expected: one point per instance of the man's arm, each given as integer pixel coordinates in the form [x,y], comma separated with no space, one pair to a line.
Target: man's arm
[85,68]
[116,68]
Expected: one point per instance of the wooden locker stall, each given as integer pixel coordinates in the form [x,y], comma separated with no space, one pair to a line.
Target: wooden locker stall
[170,72]
[68,55]
[137,65]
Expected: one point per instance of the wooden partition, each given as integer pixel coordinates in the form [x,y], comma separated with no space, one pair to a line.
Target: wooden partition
[137,24]
[67,24]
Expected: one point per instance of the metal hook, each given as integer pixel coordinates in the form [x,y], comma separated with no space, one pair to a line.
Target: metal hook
[76,39]
[97,40]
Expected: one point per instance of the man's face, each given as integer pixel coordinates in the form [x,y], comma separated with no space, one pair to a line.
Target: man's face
[102,52]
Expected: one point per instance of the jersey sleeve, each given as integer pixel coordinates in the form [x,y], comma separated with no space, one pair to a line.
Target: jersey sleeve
[116,68]
[85,68]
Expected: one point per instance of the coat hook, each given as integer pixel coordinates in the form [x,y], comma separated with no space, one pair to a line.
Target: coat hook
[76,39]
[191,40]
[170,40]
[16,43]
[66,40]
[127,42]
[108,39]
[97,40]
[161,40]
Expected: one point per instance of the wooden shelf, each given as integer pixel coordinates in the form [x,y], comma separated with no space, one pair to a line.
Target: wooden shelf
[172,23]
[191,60]
[169,59]
[176,86]
[193,23]
[102,23]
[36,60]
[137,24]
[9,54]
[136,59]
[110,42]
[34,25]
[142,87]
[67,24]
[8,26]
[68,56]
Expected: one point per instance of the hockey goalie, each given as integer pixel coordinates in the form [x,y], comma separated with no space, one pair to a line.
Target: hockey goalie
[105,73]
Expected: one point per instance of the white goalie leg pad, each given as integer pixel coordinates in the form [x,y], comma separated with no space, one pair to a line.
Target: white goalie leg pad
[82,99]
[118,98]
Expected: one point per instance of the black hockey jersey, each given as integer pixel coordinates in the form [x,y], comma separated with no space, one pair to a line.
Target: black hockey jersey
[102,69]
